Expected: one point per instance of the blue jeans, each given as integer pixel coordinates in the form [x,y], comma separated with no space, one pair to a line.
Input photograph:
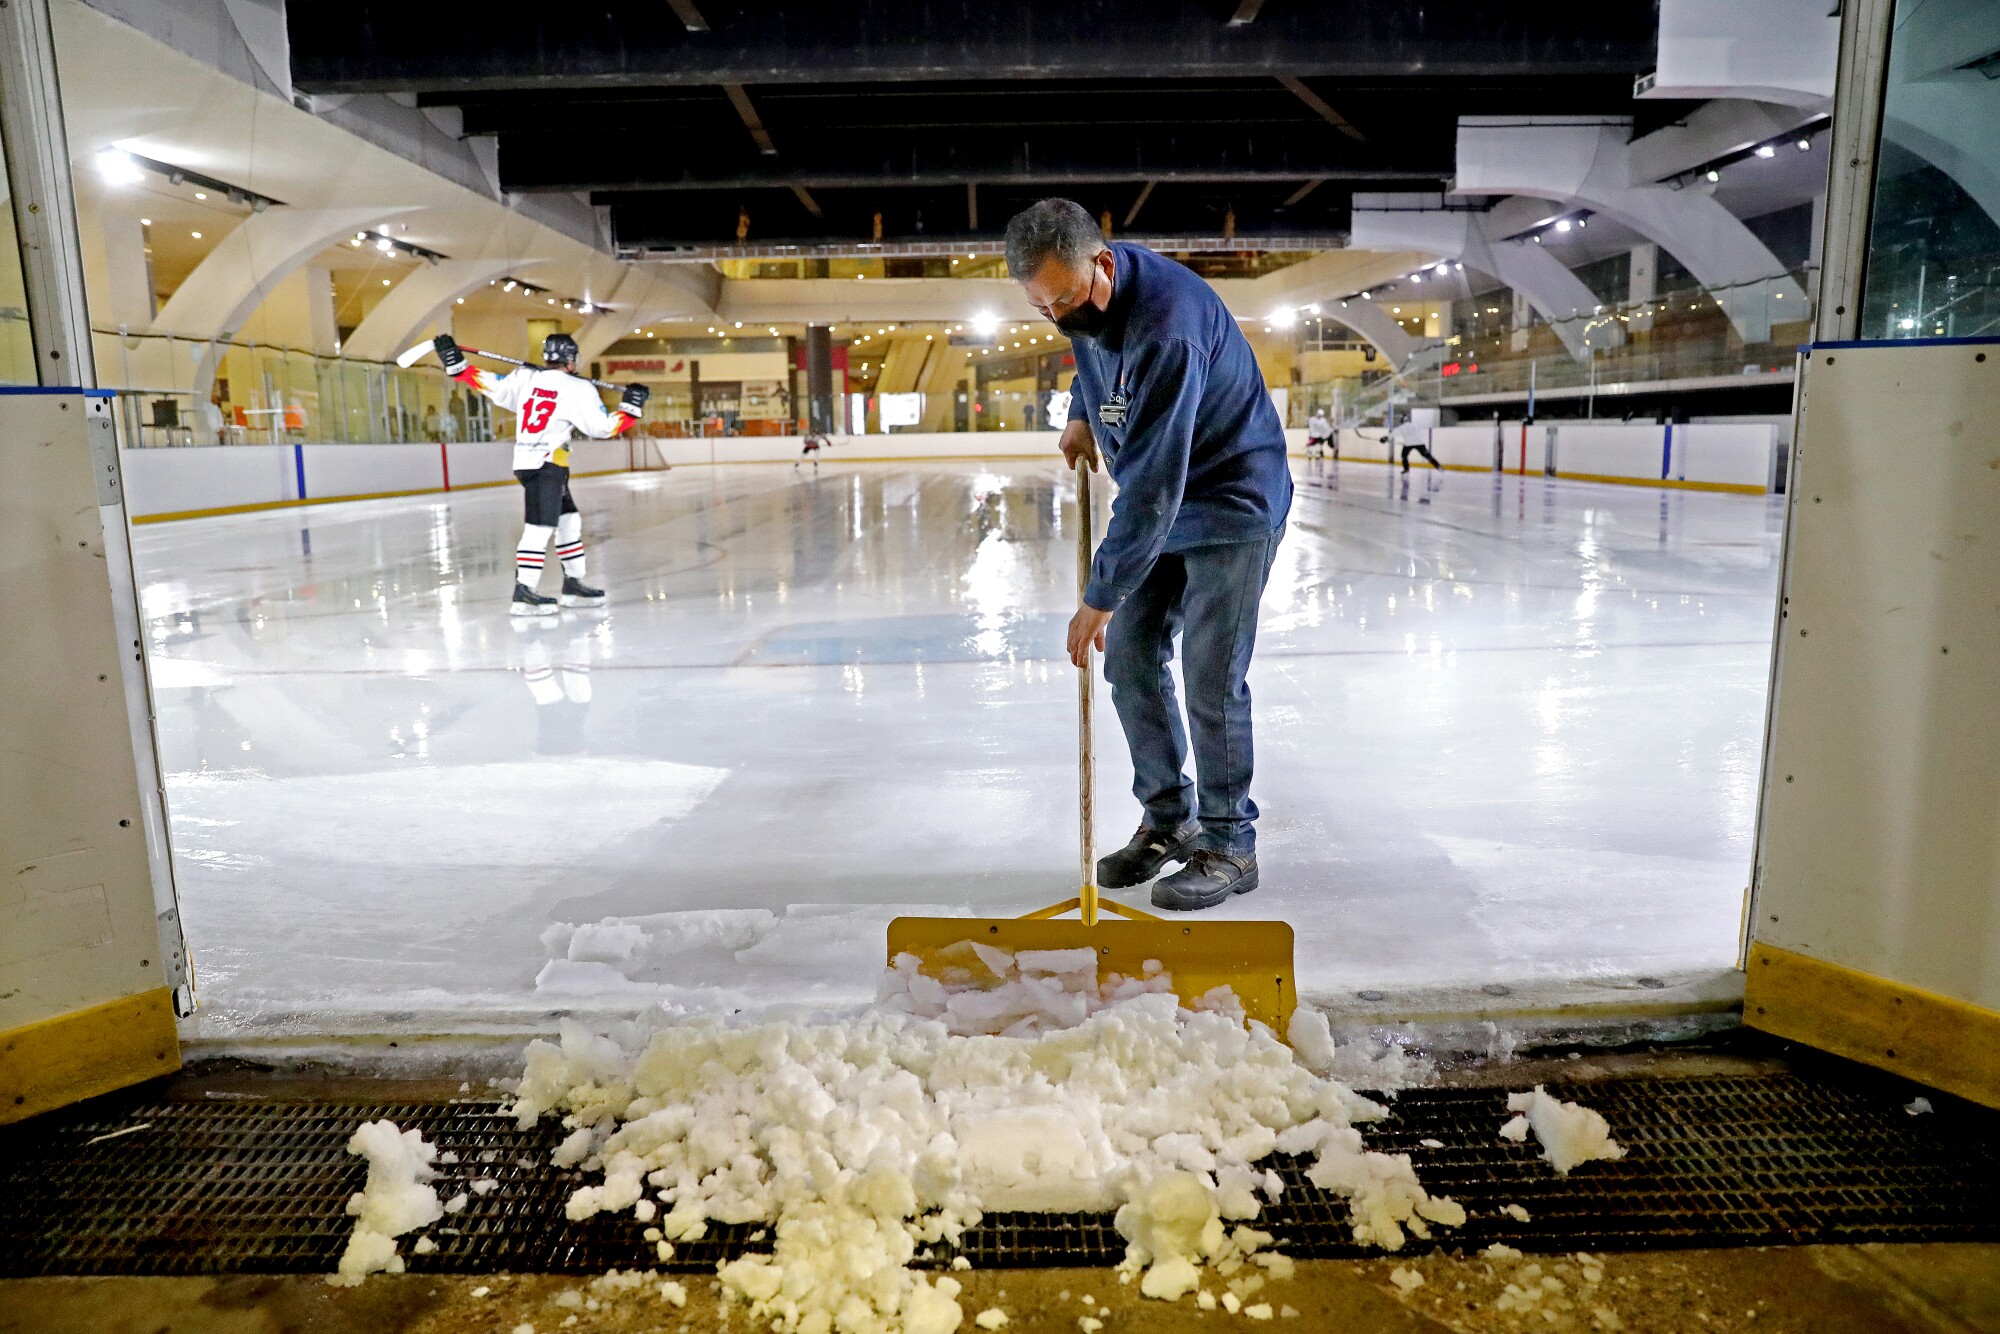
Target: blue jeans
[1209,597]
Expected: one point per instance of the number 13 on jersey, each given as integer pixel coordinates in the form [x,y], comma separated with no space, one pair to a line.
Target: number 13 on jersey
[535,413]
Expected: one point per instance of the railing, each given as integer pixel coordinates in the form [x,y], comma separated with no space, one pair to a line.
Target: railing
[262,394]
[1681,335]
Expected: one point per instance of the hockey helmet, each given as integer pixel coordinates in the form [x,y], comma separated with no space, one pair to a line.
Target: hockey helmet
[558,349]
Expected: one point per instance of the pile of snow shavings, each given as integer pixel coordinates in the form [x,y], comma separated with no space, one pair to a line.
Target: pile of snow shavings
[395,1199]
[1570,1134]
[865,1140]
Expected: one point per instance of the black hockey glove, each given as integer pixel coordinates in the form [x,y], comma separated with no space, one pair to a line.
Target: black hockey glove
[634,401]
[447,349]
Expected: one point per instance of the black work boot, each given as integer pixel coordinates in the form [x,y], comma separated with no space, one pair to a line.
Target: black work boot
[1209,878]
[1142,858]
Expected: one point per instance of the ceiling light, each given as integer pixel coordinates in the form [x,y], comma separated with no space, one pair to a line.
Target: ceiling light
[510,286]
[985,324]
[1397,309]
[1367,296]
[1579,223]
[1766,150]
[119,168]
[1805,145]
[552,301]
[1562,224]
[195,235]
[1714,175]
[461,301]
[1538,238]
[201,194]
[145,222]
[1416,277]
[385,282]
[1283,317]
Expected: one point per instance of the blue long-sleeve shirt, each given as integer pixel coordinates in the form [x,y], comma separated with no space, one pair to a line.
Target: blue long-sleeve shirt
[1200,457]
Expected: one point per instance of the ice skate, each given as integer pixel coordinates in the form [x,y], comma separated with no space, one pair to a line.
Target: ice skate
[576,593]
[527,602]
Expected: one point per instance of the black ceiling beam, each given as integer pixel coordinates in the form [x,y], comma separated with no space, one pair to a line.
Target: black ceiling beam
[532,163]
[678,219]
[373,46]
[1392,108]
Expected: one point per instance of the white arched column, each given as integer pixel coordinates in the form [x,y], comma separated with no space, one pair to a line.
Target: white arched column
[1558,295]
[1585,162]
[239,273]
[243,269]
[417,300]
[1323,281]
[651,292]
[1375,326]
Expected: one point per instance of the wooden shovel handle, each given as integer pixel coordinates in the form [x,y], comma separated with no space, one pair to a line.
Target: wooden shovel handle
[1086,691]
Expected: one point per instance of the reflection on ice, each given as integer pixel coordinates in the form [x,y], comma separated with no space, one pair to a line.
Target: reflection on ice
[1508,730]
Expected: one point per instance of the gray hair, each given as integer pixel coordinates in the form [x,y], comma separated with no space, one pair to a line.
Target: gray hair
[1048,229]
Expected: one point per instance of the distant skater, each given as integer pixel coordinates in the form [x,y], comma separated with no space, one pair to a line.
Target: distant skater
[550,405]
[1413,439]
[1319,435]
[813,445]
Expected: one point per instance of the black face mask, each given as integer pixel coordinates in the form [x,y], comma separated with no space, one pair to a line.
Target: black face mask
[1086,321]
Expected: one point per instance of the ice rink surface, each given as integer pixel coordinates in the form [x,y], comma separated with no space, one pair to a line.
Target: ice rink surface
[1508,735]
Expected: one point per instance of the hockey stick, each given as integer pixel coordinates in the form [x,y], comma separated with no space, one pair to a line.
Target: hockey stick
[411,356]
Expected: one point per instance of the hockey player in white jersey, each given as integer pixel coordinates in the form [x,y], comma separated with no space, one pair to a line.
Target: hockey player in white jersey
[550,405]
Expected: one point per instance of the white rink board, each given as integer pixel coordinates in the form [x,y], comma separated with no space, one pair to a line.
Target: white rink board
[1743,454]
[1880,797]
[210,478]
[224,477]
[1635,451]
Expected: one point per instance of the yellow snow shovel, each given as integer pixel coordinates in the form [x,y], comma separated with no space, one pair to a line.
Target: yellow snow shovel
[1253,959]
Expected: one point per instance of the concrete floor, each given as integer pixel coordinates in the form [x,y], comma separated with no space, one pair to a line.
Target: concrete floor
[1508,739]
[1929,1289]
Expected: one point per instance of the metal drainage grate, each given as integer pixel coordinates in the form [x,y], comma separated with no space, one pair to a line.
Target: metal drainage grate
[261,1187]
